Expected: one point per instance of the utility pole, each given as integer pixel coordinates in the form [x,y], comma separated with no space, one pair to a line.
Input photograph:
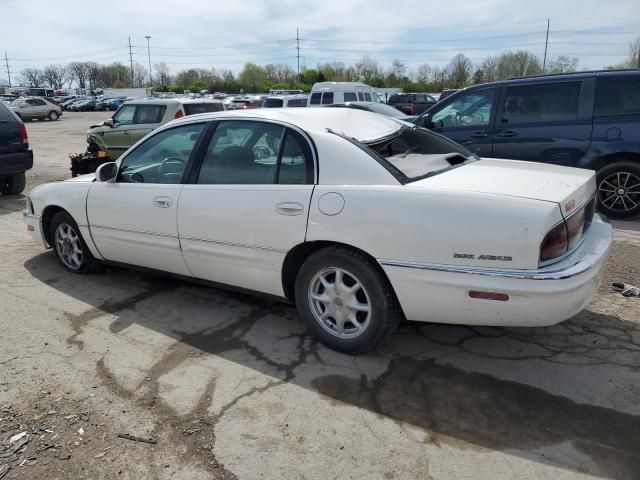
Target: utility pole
[637,60]
[6,62]
[298,50]
[149,53]
[131,61]
[546,43]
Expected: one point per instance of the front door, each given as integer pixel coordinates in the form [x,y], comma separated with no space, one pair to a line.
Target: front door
[130,124]
[133,220]
[468,120]
[247,205]
[543,122]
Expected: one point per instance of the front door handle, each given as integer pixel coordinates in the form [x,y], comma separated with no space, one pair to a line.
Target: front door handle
[479,135]
[507,133]
[162,202]
[289,208]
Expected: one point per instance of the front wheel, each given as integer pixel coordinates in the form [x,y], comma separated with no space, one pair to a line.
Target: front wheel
[345,300]
[619,189]
[71,250]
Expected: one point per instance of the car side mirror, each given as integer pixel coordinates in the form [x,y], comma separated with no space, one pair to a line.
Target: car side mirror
[109,123]
[425,121]
[107,172]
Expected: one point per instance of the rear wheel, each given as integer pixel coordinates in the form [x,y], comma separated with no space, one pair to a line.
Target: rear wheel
[13,184]
[53,116]
[71,250]
[619,189]
[346,302]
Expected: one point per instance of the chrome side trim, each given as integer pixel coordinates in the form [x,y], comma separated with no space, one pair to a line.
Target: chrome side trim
[232,244]
[554,274]
[134,231]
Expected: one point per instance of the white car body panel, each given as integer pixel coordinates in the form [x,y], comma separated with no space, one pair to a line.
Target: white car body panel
[234,234]
[418,233]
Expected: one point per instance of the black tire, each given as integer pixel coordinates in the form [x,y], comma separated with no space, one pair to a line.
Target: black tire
[88,264]
[618,189]
[383,315]
[53,116]
[13,184]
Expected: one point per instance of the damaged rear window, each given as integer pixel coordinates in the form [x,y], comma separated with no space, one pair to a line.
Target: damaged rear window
[414,153]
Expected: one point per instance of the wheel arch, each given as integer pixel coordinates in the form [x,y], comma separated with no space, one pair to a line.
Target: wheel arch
[298,254]
[45,220]
[603,160]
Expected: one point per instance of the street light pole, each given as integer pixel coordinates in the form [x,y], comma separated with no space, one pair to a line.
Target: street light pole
[149,54]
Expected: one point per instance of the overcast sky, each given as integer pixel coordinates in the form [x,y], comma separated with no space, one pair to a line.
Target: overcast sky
[226,34]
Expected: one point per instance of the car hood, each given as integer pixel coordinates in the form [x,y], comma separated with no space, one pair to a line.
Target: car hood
[89,177]
[568,187]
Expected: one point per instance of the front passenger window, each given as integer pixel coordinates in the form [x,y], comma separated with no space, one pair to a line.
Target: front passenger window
[124,116]
[470,110]
[162,158]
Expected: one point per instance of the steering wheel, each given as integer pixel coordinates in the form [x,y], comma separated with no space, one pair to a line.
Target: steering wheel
[172,166]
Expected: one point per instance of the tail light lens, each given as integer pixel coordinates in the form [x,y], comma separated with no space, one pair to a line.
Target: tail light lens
[566,235]
[412,109]
[24,138]
[178,114]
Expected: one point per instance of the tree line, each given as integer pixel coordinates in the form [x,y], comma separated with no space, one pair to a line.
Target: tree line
[460,72]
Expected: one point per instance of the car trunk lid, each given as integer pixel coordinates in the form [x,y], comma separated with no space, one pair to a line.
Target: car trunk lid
[570,188]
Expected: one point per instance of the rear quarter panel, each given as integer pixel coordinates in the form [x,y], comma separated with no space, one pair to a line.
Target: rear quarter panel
[404,223]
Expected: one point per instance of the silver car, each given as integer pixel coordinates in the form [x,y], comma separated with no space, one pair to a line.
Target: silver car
[28,108]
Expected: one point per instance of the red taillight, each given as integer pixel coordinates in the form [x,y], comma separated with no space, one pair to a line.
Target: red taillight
[500,297]
[24,138]
[412,109]
[178,114]
[554,243]
[575,228]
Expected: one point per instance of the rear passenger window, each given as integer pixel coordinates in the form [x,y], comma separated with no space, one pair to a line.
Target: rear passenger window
[195,108]
[299,102]
[315,98]
[367,97]
[546,102]
[350,97]
[327,98]
[360,96]
[617,96]
[149,114]
[296,164]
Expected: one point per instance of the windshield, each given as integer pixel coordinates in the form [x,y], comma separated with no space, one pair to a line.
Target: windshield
[415,153]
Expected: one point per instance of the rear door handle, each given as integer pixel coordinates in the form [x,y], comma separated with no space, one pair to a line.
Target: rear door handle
[162,202]
[289,208]
[479,135]
[507,133]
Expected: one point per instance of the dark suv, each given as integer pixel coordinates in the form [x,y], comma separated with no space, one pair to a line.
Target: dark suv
[15,156]
[411,103]
[587,119]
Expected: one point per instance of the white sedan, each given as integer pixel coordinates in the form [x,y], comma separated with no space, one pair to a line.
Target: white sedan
[359,219]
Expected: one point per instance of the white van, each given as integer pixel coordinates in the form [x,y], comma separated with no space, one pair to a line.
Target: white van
[326,93]
[285,101]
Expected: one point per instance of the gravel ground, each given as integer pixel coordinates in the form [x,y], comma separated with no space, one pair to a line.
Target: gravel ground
[230,386]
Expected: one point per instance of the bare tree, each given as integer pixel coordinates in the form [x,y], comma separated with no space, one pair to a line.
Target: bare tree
[79,73]
[459,70]
[423,73]
[55,75]
[562,64]
[163,74]
[33,76]
[139,74]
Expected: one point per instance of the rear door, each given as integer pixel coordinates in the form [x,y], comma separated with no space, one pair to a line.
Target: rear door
[543,122]
[467,119]
[247,205]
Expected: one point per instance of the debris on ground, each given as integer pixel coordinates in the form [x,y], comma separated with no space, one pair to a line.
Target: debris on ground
[135,438]
[626,289]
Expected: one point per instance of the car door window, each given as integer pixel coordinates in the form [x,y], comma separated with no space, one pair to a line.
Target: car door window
[470,110]
[149,114]
[296,163]
[350,97]
[242,153]
[315,98]
[327,98]
[161,158]
[617,95]
[544,102]
[125,115]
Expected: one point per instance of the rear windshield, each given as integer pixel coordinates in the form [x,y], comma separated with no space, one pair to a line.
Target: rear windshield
[414,153]
[194,108]
[273,103]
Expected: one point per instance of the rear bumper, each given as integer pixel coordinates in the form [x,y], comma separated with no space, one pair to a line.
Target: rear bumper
[440,293]
[18,162]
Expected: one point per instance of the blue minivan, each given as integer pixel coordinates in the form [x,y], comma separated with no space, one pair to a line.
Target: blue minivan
[587,119]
